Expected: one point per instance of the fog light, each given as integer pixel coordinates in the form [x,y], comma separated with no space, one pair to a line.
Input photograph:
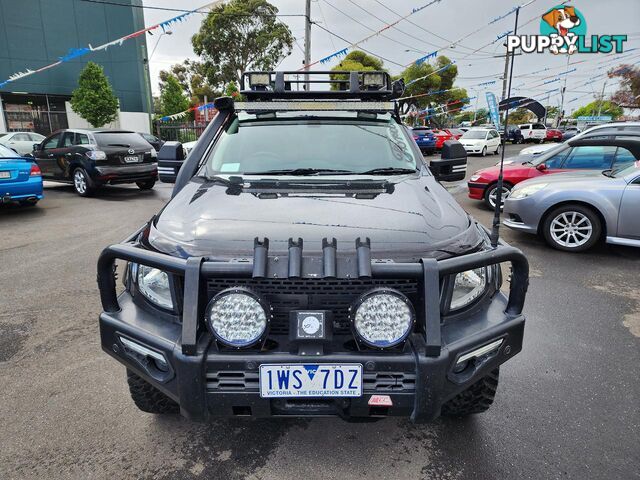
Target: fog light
[383,318]
[237,317]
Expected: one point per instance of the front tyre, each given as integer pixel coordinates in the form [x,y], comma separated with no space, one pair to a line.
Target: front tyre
[82,183]
[148,398]
[497,152]
[146,185]
[572,228]
[475,399]
[491,194]
[484,152]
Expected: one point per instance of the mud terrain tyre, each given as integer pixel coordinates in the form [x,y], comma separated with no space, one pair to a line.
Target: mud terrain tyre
[148,398]
[475,399]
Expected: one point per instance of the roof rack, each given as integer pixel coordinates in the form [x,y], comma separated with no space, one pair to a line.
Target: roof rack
[363,86]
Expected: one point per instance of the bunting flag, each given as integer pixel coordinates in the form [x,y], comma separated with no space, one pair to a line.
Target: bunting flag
[74,53]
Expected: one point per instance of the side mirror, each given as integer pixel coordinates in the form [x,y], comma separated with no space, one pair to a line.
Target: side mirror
[542,167]
[452,165]
[170,159]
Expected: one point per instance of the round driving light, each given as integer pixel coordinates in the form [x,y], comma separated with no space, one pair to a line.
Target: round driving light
[383,318]
[237,317]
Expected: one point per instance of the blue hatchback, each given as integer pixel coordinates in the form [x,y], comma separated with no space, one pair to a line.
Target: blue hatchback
[425,139]
[20,178]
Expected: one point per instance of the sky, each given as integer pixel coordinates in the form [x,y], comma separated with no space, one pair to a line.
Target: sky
[430,29]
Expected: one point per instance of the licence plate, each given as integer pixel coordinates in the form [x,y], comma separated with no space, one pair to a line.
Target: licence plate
[311,380]
[5,174]
[132,159]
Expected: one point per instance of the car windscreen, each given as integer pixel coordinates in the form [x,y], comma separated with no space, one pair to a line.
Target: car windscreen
[6,152]
[627,170]
[256,146]
[475,135]
[120,139]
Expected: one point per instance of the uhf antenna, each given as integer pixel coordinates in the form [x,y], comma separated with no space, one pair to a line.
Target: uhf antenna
[495,231]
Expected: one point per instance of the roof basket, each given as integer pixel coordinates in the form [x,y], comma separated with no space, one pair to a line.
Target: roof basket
[287,85]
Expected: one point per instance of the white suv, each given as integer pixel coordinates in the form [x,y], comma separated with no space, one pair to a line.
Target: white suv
[533,132]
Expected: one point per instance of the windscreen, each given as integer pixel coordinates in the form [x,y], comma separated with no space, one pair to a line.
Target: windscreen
[6,152]
[345,146]
[120,139]
[475,135]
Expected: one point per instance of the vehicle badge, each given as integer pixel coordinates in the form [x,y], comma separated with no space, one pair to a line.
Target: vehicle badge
[131,151]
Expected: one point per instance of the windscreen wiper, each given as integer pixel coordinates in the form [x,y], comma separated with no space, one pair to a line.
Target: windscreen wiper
[388,171]
[301,171]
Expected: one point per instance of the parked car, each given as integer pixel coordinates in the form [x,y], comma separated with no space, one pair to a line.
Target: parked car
[331,276]
[553,135]
[441,136]
[514,135]
[574,211]
[21,142]
[481,141]
[425,139]
[20,178]
[570,132]
[153,140]
[533,132]
[89,159]
[455,133]
[586,153]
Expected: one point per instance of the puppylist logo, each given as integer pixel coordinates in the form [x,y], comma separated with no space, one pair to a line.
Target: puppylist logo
[563,29]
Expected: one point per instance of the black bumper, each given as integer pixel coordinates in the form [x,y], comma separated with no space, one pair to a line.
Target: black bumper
[126,173]
[419,379]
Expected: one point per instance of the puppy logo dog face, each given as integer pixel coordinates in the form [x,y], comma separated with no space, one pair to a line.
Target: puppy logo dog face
[563,21]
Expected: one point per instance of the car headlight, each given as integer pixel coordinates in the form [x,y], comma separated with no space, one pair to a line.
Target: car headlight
[527,190]
[237,317]
[153,152]
[383,318]
[468,287]
[154,285]
[474,178]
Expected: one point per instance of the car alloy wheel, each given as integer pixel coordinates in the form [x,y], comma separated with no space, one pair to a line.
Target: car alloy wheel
[80,182]
[571,229]
[492,194]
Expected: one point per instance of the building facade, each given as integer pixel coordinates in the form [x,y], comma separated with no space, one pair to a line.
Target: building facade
[35,33]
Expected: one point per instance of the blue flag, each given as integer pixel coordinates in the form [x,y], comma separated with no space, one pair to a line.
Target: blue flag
[493,110]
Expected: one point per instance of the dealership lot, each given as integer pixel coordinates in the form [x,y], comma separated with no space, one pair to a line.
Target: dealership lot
[568,407]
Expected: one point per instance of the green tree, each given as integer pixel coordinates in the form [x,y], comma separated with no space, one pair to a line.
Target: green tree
[191,76]
[172,96]
[605,107]
[238,36]
[519,116]
[424,78]
[356,60]
[94,99]
[628,96]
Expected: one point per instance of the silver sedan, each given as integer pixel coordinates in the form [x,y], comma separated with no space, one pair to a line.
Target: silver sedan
[573,211]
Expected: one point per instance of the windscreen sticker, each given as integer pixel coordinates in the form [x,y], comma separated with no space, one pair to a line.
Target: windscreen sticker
[230,167]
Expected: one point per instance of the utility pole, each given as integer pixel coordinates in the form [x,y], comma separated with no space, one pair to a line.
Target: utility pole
[505,76]
[562,92]
[307,42]
[604,85]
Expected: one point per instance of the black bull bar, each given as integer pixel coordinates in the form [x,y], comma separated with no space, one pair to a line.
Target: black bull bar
[329,265]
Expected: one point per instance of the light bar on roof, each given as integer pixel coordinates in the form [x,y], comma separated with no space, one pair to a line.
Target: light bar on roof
[313,105]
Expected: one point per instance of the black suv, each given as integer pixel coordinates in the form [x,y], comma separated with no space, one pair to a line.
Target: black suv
[91,158]
[309,263]
[514,135]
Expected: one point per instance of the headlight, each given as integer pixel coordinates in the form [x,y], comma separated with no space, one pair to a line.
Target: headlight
[153,153]
[383,318]
[237,317]
[527,190]
[154,284]
[468,286]
[474,178]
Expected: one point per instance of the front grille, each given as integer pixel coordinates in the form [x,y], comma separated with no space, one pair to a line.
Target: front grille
[388,382]
[335,294]
[232,380]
